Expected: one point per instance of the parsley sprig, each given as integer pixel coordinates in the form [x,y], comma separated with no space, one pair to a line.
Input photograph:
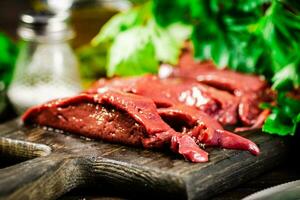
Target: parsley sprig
[251,36]
[137,43]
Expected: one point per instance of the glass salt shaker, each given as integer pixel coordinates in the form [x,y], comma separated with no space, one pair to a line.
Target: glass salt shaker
[46,66]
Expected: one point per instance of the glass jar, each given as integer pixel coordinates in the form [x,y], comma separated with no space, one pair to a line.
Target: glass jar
[46,66]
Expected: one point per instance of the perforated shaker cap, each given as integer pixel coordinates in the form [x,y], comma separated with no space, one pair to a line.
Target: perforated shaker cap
[45,26]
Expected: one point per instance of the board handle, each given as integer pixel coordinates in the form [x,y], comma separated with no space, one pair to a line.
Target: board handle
[45,177]
[22,149]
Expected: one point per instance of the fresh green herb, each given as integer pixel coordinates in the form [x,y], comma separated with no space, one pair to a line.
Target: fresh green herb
[285,116]
[287,77]
[92,61]
[252,36]
[8,53]
[7,58]
[138,43]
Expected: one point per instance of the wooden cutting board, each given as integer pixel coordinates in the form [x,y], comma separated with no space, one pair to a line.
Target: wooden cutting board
[58,162]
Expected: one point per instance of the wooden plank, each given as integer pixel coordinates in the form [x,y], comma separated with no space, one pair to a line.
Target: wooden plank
[71,161]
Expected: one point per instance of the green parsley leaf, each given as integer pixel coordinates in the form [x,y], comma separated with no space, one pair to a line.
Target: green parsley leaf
[287,78]
[132,53]
[167,44]
[253,36]
[117,24]
[285,117]
[8,56]
[92,61]
[137,43]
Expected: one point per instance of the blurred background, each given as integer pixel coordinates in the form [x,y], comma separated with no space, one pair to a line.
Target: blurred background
[86,18]
[9,15]
[95,12]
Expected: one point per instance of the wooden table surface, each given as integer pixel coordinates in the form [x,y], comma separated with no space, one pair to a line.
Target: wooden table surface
[280,174]
[285,172]
[103,167]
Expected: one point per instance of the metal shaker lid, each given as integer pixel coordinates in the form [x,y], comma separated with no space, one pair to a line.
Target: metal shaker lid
[45,26]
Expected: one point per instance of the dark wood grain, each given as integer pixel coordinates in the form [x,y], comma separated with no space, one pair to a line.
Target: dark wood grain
[64,161]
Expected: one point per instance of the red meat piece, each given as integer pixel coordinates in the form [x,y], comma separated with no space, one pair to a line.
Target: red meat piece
[218,104]
[249,89]
[134,120]
[115,117]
